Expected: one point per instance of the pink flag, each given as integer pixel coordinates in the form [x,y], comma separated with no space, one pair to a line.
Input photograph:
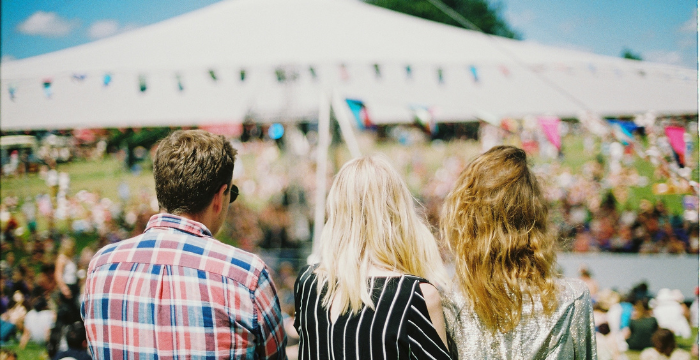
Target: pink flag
[675,137]
[550,125]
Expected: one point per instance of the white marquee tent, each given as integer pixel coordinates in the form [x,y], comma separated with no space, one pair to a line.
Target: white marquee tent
[390,61]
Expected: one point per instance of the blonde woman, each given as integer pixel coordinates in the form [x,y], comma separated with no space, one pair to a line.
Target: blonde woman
[373,294]
[67,283]
[508,301]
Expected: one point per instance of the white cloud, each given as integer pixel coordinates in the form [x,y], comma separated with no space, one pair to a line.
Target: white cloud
[691,25]
[661,56]
[103,28]
[47,24]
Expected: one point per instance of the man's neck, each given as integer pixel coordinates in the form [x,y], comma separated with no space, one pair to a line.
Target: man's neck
[203,218]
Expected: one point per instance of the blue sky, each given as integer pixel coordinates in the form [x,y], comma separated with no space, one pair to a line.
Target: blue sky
[658,30]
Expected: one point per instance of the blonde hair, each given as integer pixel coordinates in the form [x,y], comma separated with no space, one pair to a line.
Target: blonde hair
[372,221]
[495,222]
[67,247]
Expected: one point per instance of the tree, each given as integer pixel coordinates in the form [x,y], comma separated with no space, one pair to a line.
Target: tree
[485,16]
[628,54]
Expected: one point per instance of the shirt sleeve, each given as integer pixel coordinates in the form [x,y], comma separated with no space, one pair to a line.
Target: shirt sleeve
[583,331]
[272,338]
[424,341]
[297,295]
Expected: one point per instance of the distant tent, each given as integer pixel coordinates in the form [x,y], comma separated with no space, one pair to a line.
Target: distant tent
[271,59]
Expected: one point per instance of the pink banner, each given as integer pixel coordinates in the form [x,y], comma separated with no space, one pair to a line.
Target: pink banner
[550,125]
[675,137]
[231,129]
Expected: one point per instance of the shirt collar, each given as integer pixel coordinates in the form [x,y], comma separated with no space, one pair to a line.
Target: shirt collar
[179,223]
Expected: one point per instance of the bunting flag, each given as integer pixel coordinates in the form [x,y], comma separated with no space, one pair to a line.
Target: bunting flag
[280,74]
[106,79]
[79,77]
[424,117]
[550,125]
[312,71]
[212,75]
[622,130]
[409,72]
[377,71]
[359,110]
[344,72]
[179,82]
[12,90]
[47,88]
[142,83]
[675,136]
[243,73]
[441,79]
[475,74]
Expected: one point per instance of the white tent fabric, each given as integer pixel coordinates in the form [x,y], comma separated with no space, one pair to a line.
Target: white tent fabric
[344,41]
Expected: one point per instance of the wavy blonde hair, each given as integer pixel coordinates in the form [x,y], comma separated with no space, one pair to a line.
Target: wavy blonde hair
[372,220]
[495,222]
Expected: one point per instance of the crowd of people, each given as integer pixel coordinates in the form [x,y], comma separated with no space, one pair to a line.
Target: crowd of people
[42,271]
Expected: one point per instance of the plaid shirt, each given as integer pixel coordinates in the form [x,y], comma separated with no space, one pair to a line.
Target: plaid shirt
[175,292]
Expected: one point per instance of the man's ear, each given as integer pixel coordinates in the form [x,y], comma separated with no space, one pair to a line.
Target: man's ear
[219,199]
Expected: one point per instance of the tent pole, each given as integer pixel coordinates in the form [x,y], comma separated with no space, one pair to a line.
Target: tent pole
[324,121]
[349,135]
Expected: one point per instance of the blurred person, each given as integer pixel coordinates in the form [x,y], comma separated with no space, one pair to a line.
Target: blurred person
[37,324]
[373,294]
[587,278]
[12,320]
[66,276]
[664,347]
[176,280]
[670,313]
[77,344]
[694,309]
[509,302]
[642,326]
[607,347]
[17,310]
[7,354]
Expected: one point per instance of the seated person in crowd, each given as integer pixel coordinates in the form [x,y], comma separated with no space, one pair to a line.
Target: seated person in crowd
[77,343]
[37,324]
[664,347]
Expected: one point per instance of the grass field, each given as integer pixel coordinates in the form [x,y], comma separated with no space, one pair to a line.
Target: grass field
[36,352]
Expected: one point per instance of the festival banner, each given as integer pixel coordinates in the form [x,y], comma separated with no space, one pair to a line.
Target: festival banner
[675,137]
[550,126]
[359,110]
[423,117]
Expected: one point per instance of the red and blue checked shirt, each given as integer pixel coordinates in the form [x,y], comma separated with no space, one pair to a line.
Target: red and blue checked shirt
[174,292]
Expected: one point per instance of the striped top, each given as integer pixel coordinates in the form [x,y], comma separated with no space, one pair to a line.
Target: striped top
[175,292]
[398,328]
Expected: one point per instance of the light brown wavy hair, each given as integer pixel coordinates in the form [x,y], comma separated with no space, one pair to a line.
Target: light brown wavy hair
[495,222]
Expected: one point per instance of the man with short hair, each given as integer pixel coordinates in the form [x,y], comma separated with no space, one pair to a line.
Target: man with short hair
[175,291]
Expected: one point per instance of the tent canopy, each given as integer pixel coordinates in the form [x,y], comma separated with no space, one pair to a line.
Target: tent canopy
[273,60]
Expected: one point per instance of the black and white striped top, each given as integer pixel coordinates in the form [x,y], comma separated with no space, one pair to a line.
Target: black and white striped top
[398,328]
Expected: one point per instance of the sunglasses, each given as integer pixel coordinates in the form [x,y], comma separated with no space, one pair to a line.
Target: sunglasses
[234,193]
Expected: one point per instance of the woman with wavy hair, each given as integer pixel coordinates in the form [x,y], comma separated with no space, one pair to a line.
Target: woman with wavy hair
[508,301]
[373,294]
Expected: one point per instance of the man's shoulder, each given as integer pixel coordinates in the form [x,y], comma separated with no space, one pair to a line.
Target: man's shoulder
[156,247]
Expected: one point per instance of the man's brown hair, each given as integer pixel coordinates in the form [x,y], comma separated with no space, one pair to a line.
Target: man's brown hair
[190,166]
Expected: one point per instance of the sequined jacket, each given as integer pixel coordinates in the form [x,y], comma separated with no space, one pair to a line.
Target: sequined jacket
[568,333]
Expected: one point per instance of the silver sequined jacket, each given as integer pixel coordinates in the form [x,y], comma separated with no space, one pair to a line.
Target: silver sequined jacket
[566,334]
